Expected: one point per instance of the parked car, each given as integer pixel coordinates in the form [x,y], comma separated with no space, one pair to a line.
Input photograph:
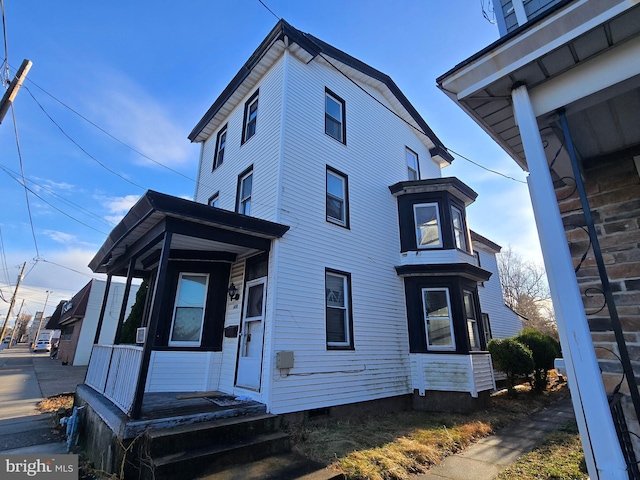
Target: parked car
[42,346]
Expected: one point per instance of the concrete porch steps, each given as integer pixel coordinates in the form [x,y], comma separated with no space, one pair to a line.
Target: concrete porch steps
[189,451]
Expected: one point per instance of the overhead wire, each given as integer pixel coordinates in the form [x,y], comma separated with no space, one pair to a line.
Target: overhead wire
[5,64]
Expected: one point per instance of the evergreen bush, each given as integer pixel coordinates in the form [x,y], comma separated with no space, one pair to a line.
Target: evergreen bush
[511,357]
[544,349]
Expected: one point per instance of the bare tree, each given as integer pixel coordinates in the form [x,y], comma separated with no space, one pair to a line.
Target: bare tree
[525,290]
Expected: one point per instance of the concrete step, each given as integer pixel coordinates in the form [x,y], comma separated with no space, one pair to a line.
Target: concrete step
[289,466]
[212,458]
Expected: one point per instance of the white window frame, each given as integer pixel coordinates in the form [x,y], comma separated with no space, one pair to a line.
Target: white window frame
[341,103]
[451,347]
[462,230]
[344,222]
[214,200]
[412,173]
[417,228]
[220,147]
[473,321]
[347,343]
[242,201]
[248,118]
[176,343]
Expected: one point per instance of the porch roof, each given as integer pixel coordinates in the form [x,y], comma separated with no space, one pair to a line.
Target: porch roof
[195,227]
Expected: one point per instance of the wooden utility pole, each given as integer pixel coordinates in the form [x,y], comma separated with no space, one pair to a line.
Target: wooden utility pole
[10,95]
[13,301]
[15,325]
[42,317]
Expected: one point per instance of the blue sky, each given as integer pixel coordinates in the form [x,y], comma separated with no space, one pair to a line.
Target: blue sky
[145,72]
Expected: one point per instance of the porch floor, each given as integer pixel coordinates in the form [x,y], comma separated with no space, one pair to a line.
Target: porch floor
[167,409]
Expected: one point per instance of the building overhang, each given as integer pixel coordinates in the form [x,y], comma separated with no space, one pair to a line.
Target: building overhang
[581,57]
[465,270]
[451,185]
[307,48]
[198,232]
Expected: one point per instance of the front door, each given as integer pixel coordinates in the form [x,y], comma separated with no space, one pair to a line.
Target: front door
[251,336]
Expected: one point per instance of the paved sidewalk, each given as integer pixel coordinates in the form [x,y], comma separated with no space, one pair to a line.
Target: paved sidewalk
[487,458]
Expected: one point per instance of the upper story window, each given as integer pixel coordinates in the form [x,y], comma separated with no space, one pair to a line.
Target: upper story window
[412,165]
[250,117]
[472,320]
[221,143]
[188,312]
[438,321]
[337,198]
[427,221]
[334,118]
[213,200]
[459,232]
[245,186]
[339,325]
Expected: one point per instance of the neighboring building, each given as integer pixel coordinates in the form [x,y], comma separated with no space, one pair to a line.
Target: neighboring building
[325,260]
[560,92]
[78,318]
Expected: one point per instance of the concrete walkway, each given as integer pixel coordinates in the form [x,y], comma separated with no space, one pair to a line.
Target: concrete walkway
[26,378]
[488,457]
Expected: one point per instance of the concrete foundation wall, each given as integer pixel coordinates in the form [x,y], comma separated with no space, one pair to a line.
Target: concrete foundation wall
[450,402]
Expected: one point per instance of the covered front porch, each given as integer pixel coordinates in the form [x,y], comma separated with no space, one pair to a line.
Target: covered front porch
[190,254]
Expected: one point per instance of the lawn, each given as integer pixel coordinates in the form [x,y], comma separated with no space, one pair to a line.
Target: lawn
[395,446]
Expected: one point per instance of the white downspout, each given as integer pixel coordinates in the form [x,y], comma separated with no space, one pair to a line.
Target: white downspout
[601,446]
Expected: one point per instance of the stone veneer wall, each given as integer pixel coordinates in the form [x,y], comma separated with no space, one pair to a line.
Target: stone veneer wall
[613,189]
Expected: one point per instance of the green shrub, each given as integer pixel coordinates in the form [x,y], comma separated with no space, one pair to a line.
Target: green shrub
[511,357]
[544,349]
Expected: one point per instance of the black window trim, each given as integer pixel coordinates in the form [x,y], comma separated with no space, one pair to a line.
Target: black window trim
[239,187]
[345,177]
[215,196]
[221,132]
[247,104]
[349,297]
[343,119]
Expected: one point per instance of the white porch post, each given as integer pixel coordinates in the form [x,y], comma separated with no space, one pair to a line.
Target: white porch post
[602,448]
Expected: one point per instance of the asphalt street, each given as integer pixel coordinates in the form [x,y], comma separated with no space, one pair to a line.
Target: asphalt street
[23,377]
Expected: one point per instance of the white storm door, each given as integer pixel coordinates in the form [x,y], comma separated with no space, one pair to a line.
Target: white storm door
[251,337]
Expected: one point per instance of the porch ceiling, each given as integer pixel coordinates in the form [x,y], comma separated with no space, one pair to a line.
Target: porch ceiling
[572,59]
[217,234]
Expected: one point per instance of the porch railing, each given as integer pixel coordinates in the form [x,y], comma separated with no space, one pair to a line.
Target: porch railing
[113,371]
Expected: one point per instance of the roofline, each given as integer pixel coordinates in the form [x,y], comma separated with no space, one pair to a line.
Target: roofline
[476,237]
[315,47]
[502,40]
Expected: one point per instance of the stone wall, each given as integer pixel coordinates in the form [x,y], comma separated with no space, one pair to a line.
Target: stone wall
[613,189]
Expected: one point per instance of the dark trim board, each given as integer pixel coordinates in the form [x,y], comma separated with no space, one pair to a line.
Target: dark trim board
[463,270]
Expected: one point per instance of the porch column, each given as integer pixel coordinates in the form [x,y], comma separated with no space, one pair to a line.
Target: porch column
[103,309]
[602,449]
[125,298]
[159,291]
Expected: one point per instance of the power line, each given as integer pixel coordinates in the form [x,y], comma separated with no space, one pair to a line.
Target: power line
[270,11]
[80,147]
[6,72]
[483,167]
[26,194]
[5,266]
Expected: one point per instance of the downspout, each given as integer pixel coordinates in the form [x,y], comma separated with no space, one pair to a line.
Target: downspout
[275,251]
[601,446]
[602,271]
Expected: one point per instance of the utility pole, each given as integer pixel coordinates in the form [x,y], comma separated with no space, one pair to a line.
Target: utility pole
[10,95]
[13,301]
[15,325]
[35,340]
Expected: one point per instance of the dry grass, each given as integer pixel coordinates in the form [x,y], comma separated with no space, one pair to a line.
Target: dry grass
[395,446]
[53,404]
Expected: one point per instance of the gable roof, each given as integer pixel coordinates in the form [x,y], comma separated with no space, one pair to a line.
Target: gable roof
[54,319]
[76,308]
[307,48]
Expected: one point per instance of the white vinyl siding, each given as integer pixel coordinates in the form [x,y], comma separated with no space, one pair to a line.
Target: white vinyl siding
[181,371]
[452,373]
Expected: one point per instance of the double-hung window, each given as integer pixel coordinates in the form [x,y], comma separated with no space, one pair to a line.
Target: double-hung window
[188,311]
[245,186]
[250,117]
[472,320]
[427,221]
[337,198]
[437,317]
[221,143]
[338,309]
[412,165]
[334,118]
[459,232]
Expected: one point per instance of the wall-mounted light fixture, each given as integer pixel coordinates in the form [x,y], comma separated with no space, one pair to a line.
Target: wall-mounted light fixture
[233,292]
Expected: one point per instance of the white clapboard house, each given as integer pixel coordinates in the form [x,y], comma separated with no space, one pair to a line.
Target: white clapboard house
[324,261]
